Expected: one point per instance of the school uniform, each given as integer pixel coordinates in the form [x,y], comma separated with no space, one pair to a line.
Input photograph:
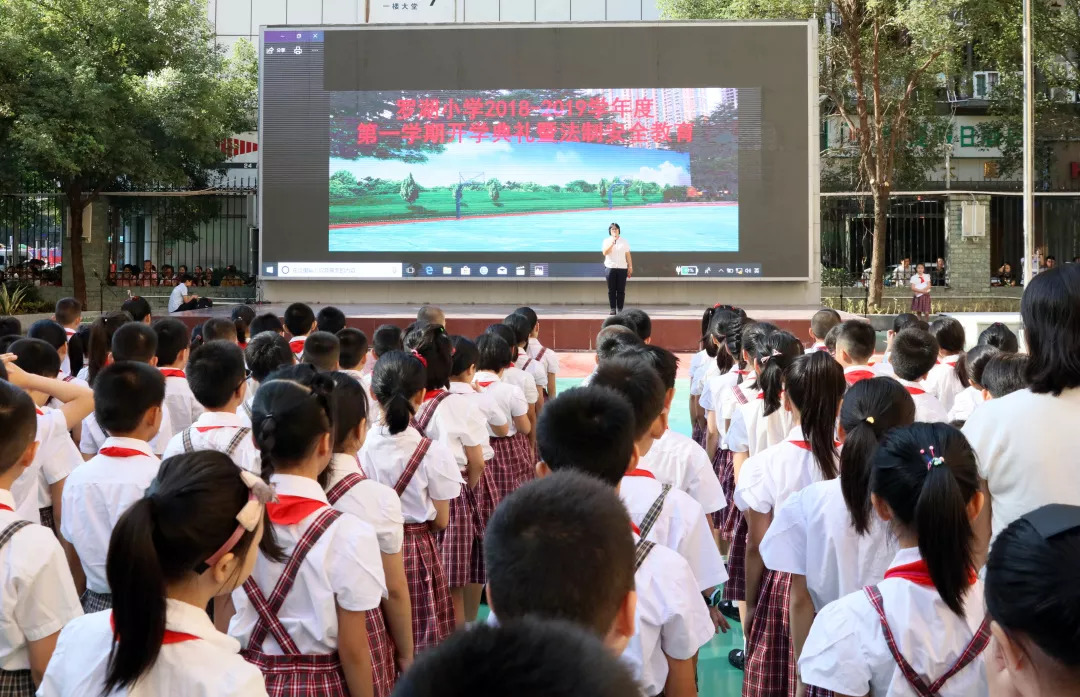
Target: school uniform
[671,618]
[334,562]
[858,373]
[722,464]
[53,402]
[533,367]
[965,404]
[677,460]
[927,407]
[696,362]
[65,365]
[752,431]
[360,378]
[513,462]
[818,346]
[420,471]
[183,408]
[671,518]
[766,481]
[96,494]
[296,345]
[375,410]
[56,458]
[734,526]
[94,436]
[195,659]
[850,646]
[943,383]
[525,381]
[222,431]
[37,595]
[545,356]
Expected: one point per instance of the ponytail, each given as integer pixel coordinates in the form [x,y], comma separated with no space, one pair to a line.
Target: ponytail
[927,475]
[871,408]
[779,351]
[706,340]
[815,385]
[950,336]
[754,337]
[76,356]
[290,412]
[725,333]
[100,343]
[397,377]
[433,343]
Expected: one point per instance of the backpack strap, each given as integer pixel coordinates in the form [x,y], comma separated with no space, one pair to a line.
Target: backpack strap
[412,466]
[641,552]
[185,438]
[342,487]
[654,511]
[241,434]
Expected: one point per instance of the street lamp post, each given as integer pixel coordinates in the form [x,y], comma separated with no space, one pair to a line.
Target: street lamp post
[1029,150]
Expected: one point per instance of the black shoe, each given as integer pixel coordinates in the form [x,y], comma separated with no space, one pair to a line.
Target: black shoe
[737,659]
[729,610]
[612,313]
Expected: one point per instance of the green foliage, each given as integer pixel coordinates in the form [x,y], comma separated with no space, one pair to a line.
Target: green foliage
[13,299]
[602,189]
[493,189]
[409,190]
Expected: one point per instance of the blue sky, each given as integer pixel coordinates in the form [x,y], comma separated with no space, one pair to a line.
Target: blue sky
[542,163]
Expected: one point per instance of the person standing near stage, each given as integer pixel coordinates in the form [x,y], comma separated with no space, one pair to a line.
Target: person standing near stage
[920,289]
[618,267]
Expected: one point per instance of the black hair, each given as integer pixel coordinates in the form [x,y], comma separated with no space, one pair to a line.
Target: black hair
[520,325]
[7,341]
[830,339]
[387,337]
[350,406]
[914,353]
[755,339]
[138,307]
[158,541]
[67,310]
[635,379]
[299,318]
[1005,373]
[10,326]
[466,355]
[822,321]
[493,353]
[724,335]
[664,362]
[185,277]
[616,339]
[322,350]
[36,357]
[396,379]
[907,320]
[779,351]
[266,322]
[508,335]
[871,409]
[353,345]
[950,337]
[706,320]
[977,358]
[18,423]
[330,319]
[172,338]
[242,316]
[214,372]
[927,475]
[134,341]
[196,336]
[588,429]
[620,320]
[99,343]
[858,339]
[219,329]
[524,658]
[815,384]
[616,226]
[430,314]
[530,315]
[265,353]
[291,411]
[561,548]
[1001,337]
[123,392]
[642,322]
[1051,312]
[433,343]
[48,331]
[1031,583]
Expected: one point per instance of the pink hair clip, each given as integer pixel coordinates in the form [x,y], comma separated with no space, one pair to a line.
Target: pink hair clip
[771,355]
[260,494]
[933,460]
[420,357]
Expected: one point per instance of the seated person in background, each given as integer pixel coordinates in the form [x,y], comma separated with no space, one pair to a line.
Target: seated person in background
[167,276]
[149,274]
[182,298]
[1006,276]
[902,273]
[938,273]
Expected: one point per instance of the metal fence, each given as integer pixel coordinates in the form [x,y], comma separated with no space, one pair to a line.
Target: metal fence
[31,237]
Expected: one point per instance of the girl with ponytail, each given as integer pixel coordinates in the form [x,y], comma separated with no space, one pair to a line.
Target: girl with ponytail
[99,345]
[697,363]
[165,565]
[426,477]
[825,535]
[313,640]
[764,422]
[814,386]
[724,333]
[922,630]
[717,360]
[949,377]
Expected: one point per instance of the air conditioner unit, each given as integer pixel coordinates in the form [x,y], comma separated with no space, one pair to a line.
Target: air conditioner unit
[87,219]
[973,218]
[983,83]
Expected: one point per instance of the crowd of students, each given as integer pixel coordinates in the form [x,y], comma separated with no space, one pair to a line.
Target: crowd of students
[226,511]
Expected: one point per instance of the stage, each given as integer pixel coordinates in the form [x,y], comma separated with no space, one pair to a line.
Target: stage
[562,327]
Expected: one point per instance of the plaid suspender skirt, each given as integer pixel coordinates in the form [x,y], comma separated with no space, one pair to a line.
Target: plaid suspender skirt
[770,664]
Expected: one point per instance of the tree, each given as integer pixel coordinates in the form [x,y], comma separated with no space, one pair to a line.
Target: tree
[877,59]
[409,190]
[602,189]
[493,189]
[107,95]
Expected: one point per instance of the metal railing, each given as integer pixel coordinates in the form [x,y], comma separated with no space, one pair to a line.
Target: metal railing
[31,237]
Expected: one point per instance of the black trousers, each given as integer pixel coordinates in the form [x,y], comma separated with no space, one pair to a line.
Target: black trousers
[200,304]
[616,288]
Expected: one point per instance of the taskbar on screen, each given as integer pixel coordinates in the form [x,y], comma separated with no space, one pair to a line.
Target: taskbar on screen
[391,270]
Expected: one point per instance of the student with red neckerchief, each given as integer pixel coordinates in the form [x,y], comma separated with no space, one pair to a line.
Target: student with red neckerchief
[173,349]
[920,287]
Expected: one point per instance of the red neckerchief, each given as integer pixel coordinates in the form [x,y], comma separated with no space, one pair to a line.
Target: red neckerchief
[485,385]
[242,345]
[204,429]
[116,451]
[633,526]
[805,444]
[638,472]
[917,572]
[914,390]
[173,373]
[69,332]
[296,344]
[171,637]
[39,412]
[290,510]
[5,507]
[431,394]
[858,375]
[761,396]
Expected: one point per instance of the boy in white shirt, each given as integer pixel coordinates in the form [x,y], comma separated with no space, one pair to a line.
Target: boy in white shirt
[216,376]
[540,353]
[68,314]
[127,402]
[37,594]
[854,348]
[352,352]
[56,336]
[173,341]
[914,354]
[300,321]
[265,353]
[322,350]
[820,324]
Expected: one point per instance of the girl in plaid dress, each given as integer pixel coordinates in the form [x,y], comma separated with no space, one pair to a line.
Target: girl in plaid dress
[512,464]
[813,389]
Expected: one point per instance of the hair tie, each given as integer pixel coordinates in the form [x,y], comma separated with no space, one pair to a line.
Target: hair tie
[419,357]
[774,353]
[259,494]
[870,420]
[933,460]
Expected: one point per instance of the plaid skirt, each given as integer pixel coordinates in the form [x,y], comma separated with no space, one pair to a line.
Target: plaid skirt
[300,675]
[432,609]
[735,587]
[920,304]
[48,519]
[383,665]
[770,665]
[513,464]
[699,434]
[95,602]
[482,500]
[16,683]
[455,542]
[812,691]
[724,468]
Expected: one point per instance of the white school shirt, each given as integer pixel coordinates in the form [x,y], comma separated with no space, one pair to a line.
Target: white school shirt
[966,403]
[737,438]
[181,403]
[374,503]
[296,345]
[754,431]
[214,430]
[696,362]
[53,402]
[1026,445]
[671,618]
[681,526]
[375,413]
[616,256]
[943,383]
[768,478]
[550,359]
[846,650]
[94,436]
[56,458]
[490,410]
[343,569]
[713,387]
[707,370]
[534,368]
[176,297]
[927,407]
[509,398]
[65,365]
[457,423]
[516,376]
[359,377]
[96,494]
[209,666]
[384,457]
[678,460]
[818,346]
[812,535]
[920,282]
[728,402]
[37,595]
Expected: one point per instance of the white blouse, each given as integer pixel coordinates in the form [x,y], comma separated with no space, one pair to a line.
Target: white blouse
[524,381]
[751,431]
[927,407]
[943,383]
[677,460]
[215,430]
[966,403]
[920,282]
[56,458]
[616,256]
[374,503]
[384,457]
[770,477]
[508,398]
[457,423]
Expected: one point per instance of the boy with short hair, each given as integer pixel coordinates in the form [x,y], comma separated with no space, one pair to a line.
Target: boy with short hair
[68,314]
[330,319]
[128,397]
[914,354]
[265,353]
[300,321]
[823,320]
[830,340]
[10,326]
[216,376]
[854,348]
[39,596]
[352,356]
[642,323]
[266,322]
[432,315]
[138,308]
[1004,374]
[173,347]
[540,353]
[219,329]
[56,336]
[322,350]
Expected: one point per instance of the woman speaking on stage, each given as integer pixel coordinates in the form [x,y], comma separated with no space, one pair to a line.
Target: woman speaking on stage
[618,266]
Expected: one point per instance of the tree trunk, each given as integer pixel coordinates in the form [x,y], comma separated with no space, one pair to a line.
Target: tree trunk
[76,205]
[881,228]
